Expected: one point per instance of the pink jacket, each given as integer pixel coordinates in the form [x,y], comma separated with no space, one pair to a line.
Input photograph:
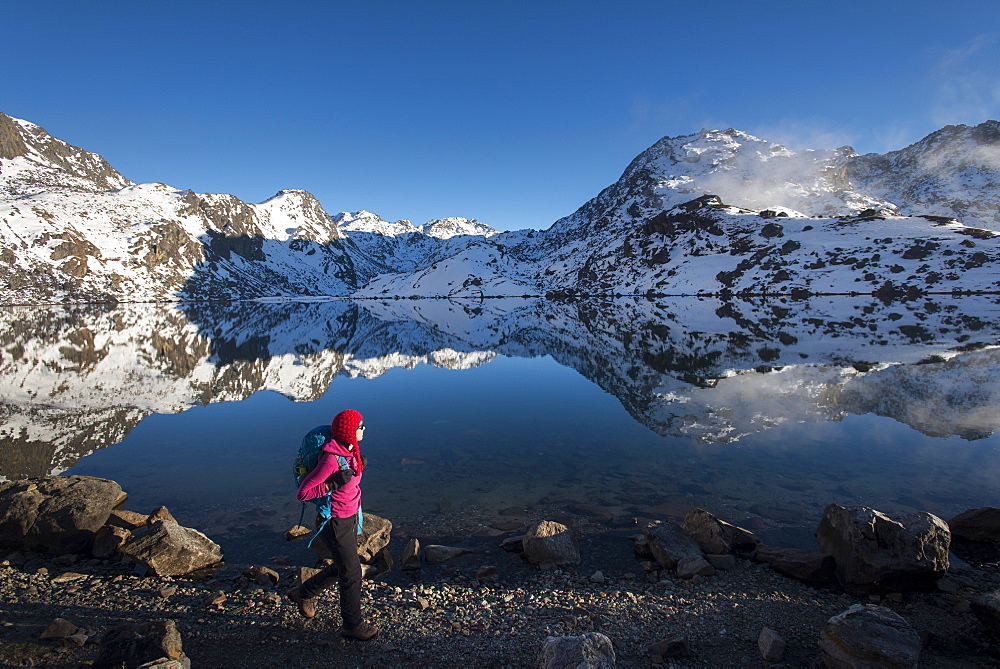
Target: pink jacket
[346,500]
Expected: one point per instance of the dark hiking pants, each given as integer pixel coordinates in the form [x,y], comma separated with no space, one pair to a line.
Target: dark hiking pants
[340,537]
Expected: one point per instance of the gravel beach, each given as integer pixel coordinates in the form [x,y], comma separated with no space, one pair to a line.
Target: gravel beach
[443,617]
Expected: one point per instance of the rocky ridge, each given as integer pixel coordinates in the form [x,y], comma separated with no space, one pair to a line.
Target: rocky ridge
[708,213]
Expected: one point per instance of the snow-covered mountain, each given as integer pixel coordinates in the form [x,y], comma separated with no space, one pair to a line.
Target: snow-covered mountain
[715,212]
[725,212]
[382,247]
[953,172]
[72,228]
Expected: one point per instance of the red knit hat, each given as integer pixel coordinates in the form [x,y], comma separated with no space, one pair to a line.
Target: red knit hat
[344,429]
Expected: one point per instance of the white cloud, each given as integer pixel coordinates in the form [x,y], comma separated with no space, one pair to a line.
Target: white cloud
[802,134]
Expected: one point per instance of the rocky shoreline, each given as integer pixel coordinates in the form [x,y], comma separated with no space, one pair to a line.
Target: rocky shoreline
[443,615]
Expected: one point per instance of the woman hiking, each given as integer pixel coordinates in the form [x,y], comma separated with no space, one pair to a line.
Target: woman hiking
[339,533]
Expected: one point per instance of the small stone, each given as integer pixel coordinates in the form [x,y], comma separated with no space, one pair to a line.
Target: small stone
[68,577]
[513,544]
[108,540]
[218,598]
[772,646]
[437,554]
[296,532]
[160,513]
[77,639]
[410,559]
[722,562]
[676,646]
[261,575]
[128,520]
[60,628]
[694,566]
[487,575]
[597,577]
[168,591]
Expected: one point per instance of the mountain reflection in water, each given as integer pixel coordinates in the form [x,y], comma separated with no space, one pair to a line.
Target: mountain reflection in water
[700,372]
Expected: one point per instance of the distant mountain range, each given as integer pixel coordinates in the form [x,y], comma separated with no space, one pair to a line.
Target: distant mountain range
[716,212]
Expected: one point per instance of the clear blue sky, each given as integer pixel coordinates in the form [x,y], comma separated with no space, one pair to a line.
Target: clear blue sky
[514,113]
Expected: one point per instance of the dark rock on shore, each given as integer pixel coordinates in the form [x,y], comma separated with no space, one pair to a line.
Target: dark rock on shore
[806,566]
[875,553]
[866,635]
[135,644]
[593,650]
[168,549]
[717,536]
[55,514]
[550,543]
[977,524]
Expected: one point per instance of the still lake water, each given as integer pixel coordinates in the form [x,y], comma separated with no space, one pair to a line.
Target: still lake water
[482,416]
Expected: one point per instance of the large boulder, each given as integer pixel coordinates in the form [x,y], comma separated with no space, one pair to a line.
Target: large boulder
[168,549]
[549,542]
[977,524]
[587,651]
[867,636]
[715,536]
[55,514]
[670,545]
[875,553]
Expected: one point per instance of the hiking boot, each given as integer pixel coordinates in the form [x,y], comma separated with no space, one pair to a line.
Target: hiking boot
[364,631]
[307,607]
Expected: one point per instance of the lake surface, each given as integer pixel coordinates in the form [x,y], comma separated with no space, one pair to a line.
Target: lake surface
[484,415]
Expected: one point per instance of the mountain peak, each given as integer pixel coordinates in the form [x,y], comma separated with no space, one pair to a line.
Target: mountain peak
[34,161]
[446,228]
[950,172]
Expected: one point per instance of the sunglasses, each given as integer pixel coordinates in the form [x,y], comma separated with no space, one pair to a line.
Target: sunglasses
[361,427]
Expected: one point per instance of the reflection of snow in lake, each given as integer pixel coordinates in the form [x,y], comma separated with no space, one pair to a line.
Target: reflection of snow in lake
[484,415]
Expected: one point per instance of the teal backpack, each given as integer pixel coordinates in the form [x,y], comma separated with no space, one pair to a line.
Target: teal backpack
[305,461]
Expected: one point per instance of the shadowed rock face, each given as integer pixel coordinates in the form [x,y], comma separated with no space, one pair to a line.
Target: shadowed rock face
[875,553]
[11,144]
[55,514]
